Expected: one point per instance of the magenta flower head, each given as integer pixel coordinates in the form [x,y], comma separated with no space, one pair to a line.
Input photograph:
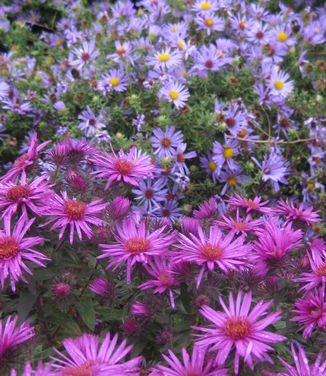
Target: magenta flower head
[74,213]
[12,335]
[139,309]
[302,214]
[15,248]
[256,204]
[190,225]
[41,370]
[25,160]
[135,243]
[214,250]
[207,210]
[127,168]
[87,357]
[102,287]
[119,208]
[239,329]
[192,366]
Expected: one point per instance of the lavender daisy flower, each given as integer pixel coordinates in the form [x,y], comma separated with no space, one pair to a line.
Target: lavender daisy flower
[115,80]
[4,90]
[165,59]
[211,168]
[90,123]
[180,158]
[209,22]
[239,329]
[169,210]
[165,143]
[280,86]
[224,154]
[84,54]
[174,92]
[12,335]
[274,168]
[231,179]
[15,248]
[206,60]
[150,193]
[138,121]
[204,6]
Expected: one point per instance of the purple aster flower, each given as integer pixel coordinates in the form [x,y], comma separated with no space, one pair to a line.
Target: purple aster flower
[135,243]
[280,86]
[90,123]
[210,22]
[211,168]
[206,59]
[224,154]
[274,168]
[208,251]
[231,179]
[164,277]
[4,90]
[127,168]
[256,204]
[84,55]
[87,357]
[204,6]
[138,121]
[74,213]
[235,119]
[102,287]
[165,59]
[180,158]
[314,32]
[169,210]
[239,329]
[15,248]
[150,193]
[193,366]
[301,213]
[175,93]
[12,335]
[165,143]
[115,80]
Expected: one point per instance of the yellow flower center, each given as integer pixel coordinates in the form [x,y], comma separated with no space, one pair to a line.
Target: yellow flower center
[205,5]
[279,85]
[175,27]
[164,278]
[228,152]
[114,81]
[184,73]
[174,95]
[237,329]
[209,22]
[180,45]
[59,42]
[232,181]
[242,25]
[75,209]
[163,57]
[317,30]
[137,245]
[212,166]
[282,37]
[211,252]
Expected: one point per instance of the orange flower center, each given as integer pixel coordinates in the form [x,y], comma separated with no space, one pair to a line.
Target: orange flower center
[242,25]
[84,370]
[193,374]
[21,161]
[237,329]
[321,271]
[8,248]
[75,209]
[120,51]
[232,181]
[137,245]
[17,192]
[164,278]
[181,158]
[166,142]
[211,252]
[240,226]
[123,166]
[209,22]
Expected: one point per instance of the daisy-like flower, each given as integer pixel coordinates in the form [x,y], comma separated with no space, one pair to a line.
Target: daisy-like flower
[279,85]
[192,366]
[274,168]
[225,153]
[90,123]
[15,248]
[311,312]
[208,251]
[239,329]
[238,225]
[175,93]
[302,214]
[127,168]
[41,370]
[180,158]
[165,59]
[301,365]
[207,59]
[74,213]
[12,335]
[203,6]
[209,22]
[211,168]
[169,210]
[150,193]
[84,54]
[135,244]
[207,210]
[163,277]
[32,196]
[317,261]
[87,357]
[231,179]
[275,241]
[256,204]
[165,143]
[24,161]
[115,80]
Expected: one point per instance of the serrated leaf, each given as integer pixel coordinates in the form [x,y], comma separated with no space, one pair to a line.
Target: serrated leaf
[86,311]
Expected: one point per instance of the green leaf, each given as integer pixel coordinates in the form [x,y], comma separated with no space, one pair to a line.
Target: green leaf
[25,304]
[86,311]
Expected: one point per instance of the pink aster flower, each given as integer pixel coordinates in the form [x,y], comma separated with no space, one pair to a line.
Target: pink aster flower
[84,55]
[41,370]
[135,244]
[24,195]
[249,204]
[300,214]
[317,261]
[239,225]
[74,213]
[25,160]
[194,365]
[239,329]
[227,253]
[12,335]
[207,210]
[15,248]
[311,311]
[275,240]
[87,357]
[127,168]
[163,277]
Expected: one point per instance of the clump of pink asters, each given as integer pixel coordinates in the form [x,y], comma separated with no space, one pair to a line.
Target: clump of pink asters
[127,168]
[135,244]
[249,204]
[227,253]
[15,248]
[12,335]
[74,213]
[237,328]
[87,357]
[302,214]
